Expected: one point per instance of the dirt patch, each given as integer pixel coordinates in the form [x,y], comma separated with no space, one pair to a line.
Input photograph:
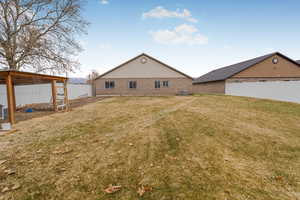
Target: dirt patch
[44,109]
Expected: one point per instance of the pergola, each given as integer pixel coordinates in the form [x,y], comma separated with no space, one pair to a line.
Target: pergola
[13,78]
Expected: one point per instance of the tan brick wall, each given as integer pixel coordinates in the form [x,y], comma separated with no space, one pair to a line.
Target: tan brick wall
[145,86]
[216,87]
[284,68]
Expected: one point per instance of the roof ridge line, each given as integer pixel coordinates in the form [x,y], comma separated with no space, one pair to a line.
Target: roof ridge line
[144,54]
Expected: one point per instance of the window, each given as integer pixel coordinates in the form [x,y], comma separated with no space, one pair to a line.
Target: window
[157,84]
[132,84]
[165,83]
[109,84]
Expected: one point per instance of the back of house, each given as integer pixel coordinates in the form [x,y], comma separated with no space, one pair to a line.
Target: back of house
[143,75]
[272,76]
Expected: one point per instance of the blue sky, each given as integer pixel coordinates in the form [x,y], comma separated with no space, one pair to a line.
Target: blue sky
[193,36]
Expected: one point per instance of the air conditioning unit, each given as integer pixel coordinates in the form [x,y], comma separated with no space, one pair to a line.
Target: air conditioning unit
[183,93]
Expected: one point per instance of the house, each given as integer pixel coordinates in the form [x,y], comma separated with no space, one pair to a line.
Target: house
[143,75]
[272,76]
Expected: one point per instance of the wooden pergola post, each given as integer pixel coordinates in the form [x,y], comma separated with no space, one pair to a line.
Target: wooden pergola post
[66,98]
[14,97]
[54,94]
[10,99]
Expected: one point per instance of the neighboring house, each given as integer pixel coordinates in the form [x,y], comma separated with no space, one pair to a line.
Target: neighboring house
[273,76]
[143,75]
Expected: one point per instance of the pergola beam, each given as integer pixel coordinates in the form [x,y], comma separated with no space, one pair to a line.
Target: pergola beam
[32,75]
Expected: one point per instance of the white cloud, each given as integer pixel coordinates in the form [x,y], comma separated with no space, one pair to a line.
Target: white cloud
[104,46]
[104,1]
[183,34]
[160,13]
[227,47]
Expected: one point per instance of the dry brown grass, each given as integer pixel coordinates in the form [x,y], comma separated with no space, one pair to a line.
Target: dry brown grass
[198,147]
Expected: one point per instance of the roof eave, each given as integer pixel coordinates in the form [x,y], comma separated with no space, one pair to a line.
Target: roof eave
[201,82]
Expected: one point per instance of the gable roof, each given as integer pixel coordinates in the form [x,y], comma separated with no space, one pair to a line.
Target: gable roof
[229,71]
[143,54]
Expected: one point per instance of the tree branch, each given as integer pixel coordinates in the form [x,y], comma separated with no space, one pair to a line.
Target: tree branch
[39,34]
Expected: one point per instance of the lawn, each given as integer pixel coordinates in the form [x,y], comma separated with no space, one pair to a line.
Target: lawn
[195,147]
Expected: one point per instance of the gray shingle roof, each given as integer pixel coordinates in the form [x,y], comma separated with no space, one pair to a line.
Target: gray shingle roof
[229,71]
[298,61]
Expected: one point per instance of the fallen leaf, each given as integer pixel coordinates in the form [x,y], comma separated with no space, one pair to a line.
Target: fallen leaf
[112,189]
[16,186]
[227,191]
[143,189]
[6,189]
[62,151]
[2,162]
[9,172]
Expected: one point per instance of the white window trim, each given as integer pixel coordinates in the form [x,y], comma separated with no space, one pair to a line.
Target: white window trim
[109,88]
[155,84]
[166,86]
[135,85]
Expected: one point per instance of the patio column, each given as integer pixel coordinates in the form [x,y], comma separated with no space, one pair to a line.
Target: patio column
[54,91]
[14,97]
[10,99]
[66,98]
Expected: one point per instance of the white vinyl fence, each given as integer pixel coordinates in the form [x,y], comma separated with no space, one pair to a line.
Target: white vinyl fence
[276,90]
[42,93]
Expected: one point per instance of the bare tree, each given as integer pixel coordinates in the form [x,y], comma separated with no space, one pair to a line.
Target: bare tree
[91,80]
[40,35]
[92,76]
